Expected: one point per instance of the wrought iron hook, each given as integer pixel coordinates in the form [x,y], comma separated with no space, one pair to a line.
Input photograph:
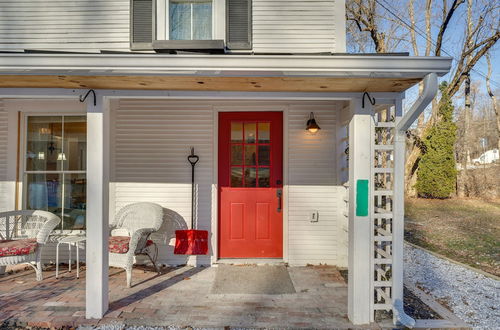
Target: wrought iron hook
[371,99]
[82,99]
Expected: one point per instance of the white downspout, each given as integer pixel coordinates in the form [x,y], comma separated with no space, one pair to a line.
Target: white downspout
[429,92]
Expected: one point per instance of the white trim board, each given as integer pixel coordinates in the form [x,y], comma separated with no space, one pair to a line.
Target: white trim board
[346,66]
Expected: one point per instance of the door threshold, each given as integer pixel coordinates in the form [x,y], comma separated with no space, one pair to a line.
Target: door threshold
[250,261]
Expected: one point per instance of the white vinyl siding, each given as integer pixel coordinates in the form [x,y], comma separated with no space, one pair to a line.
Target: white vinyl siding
[295,26]
[4,185]
[150,141]
[313,187]
[76,25]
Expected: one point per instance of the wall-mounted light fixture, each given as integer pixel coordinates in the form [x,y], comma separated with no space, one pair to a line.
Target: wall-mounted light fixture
[311,125]
[61,156]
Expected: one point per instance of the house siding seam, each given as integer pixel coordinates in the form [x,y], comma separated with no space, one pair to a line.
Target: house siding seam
[4,185]
[75,25]
[294,26]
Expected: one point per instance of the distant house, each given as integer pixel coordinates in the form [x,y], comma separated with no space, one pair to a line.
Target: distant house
[238,80]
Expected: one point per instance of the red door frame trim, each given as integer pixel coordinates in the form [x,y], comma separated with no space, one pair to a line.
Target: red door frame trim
[224,147]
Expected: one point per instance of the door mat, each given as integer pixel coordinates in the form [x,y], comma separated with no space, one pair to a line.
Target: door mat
[252,280]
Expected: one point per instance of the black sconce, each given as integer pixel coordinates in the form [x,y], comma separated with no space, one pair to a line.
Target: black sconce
[311,125]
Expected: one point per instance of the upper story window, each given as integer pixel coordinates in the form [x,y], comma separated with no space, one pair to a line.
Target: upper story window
[192,25]
[190,20]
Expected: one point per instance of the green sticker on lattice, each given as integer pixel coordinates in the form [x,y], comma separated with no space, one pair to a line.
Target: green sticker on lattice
[362,198]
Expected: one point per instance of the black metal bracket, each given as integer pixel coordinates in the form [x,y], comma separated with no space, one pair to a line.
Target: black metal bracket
[82,99]
[371,99]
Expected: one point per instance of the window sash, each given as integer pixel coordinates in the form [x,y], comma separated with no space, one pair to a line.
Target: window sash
[64,175]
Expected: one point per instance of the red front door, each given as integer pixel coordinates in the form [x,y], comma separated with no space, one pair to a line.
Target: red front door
[250,185]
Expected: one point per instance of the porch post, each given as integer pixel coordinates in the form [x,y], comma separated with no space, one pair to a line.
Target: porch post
[360,208]
[96,302]
[398,209]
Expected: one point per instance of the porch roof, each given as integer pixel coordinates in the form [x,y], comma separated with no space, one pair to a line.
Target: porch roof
[260,73]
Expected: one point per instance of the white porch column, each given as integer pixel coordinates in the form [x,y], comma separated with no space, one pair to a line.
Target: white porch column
[360,160]
[398,208]
[96,302]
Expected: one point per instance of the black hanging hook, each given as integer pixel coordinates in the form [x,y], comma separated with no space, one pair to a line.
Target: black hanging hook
[82,99]
[371,99]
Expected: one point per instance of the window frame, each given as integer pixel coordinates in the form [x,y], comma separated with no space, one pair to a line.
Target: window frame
[23,172]
[162,27]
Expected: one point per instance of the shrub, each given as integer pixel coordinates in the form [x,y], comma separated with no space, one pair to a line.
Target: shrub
[437,174]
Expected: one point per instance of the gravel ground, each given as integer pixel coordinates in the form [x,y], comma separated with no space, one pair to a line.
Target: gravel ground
[473,297]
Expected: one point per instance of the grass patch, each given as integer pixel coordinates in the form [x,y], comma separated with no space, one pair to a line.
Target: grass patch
[466,230]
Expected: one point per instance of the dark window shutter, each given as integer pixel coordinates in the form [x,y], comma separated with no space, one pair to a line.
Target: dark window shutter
[239,24]
[141,24]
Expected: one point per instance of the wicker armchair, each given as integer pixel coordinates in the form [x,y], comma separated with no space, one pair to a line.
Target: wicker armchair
[23,235]
[130,232]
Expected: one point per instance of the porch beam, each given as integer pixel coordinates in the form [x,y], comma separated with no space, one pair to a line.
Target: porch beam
[64,93]
[97,300]
[360,268]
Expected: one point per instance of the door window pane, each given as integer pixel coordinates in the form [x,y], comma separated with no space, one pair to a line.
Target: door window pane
[264,132]
[264,155]
[250,177]
[250,132]
[264,180]
[44,143]
[55,180]
[236,177]
[250,155]
[236,154]
[74,201]
[190,20]
[236,132]
[75,143]
[43,192]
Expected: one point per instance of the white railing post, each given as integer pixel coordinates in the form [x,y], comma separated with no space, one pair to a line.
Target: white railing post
[97,299]
[360,160]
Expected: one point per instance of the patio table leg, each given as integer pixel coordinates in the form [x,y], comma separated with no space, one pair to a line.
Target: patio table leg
[57,260]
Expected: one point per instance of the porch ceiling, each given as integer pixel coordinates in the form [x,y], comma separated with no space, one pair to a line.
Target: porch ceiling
[261,73]
[204,83]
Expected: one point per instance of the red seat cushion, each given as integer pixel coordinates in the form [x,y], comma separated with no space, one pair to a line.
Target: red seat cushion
[119,244]
[20,247]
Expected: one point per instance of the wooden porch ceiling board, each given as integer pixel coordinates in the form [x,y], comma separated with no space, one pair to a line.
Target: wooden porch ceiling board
[205,83]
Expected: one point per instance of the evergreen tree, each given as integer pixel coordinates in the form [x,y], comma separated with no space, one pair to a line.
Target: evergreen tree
[437,173]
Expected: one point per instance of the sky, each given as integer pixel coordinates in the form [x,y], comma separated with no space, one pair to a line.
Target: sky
[452,42]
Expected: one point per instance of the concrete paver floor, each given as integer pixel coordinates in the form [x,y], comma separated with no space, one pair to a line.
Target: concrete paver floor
[178,297]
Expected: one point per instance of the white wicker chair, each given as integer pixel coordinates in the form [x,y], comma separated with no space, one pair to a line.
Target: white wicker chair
[21,225]
[133,224]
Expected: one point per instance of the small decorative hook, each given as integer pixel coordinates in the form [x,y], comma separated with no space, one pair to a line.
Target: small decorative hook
[82,99]
[371,99]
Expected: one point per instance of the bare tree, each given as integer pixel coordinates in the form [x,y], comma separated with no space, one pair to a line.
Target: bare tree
[496,110]
[480,35]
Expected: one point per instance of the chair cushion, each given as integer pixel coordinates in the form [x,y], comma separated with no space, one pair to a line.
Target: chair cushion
[119,244]
[10,248]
